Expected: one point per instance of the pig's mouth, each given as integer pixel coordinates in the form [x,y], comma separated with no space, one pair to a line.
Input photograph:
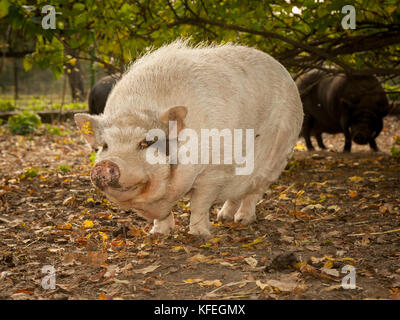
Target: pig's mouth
[121,194]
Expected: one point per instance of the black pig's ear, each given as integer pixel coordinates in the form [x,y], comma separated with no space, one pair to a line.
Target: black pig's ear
[177,115]
[89,127]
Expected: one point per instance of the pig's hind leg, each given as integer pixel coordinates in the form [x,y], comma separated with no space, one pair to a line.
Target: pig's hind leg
[320,141]
[247,210]
[228,210]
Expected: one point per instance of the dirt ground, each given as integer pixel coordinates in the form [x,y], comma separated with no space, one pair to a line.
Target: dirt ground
[327,211]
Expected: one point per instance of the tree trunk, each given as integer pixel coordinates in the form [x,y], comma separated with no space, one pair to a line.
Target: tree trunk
[16,88]
[76,82]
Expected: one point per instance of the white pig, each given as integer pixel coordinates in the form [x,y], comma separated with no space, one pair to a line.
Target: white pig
[180,87]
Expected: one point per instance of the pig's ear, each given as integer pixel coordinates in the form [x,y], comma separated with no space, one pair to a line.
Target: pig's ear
[89,127]
[177,114]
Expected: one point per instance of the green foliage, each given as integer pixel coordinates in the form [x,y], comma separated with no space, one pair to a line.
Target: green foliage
[396,150]
[64,168]
[24,123]
[31,172]
[6,105]
[393,91]
[54,130]
[292,166]
[92,158]
[301,34]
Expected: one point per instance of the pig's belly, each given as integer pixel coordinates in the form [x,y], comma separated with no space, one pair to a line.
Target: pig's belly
[233,187]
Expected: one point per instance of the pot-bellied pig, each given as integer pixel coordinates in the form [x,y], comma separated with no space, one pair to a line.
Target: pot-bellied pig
[99,93]
[160,133]
[353,105]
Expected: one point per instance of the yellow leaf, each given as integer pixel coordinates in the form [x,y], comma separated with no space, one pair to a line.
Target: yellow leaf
[300,147]
[258,240]
[87,224]
[102,296]
[210,283]
[190,280]
[300,264]
[104,237]
[356,179]
[300,193]
[328,264]
[177,248]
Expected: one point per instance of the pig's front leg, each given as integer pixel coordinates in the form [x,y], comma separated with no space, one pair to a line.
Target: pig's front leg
[200,204]
[344,122]
[164,226]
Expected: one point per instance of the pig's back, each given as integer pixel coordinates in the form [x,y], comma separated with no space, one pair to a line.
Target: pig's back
[212,82]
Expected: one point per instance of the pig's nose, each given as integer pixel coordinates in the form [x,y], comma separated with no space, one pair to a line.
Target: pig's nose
[105,174]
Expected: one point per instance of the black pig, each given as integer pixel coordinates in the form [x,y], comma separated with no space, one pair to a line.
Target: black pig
[99,93]
[333,104]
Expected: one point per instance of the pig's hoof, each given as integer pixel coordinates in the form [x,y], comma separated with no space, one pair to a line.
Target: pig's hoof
[163,226]
[224,215]
[245,217]
[227,212]
[158,230]
[200,232]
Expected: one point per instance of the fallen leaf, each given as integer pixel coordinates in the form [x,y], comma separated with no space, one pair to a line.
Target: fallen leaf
[251,261]
[353,193]
[331,272]
[261,285]
[87,224]
[190,280]
[210,283]
[148,269]
[356,179]
[178,248]
[142,254]
[102,296]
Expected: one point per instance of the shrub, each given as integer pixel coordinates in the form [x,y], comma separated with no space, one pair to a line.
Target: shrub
[54,130]
[24,123]
[7,105]
[394,150]
[64,168]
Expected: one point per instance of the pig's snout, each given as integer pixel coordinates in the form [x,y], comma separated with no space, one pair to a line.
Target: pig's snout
[105,174]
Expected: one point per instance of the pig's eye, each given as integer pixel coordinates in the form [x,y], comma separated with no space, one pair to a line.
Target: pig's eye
[145,144]
[104,147]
